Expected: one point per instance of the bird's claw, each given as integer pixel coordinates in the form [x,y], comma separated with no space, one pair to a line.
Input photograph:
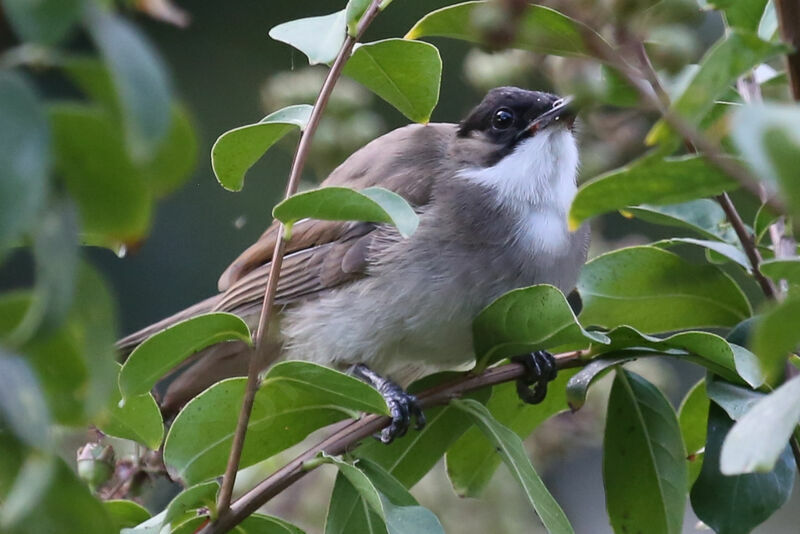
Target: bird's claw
[540,368]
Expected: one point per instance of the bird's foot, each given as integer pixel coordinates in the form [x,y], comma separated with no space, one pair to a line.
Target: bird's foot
[402,406]
[540,368]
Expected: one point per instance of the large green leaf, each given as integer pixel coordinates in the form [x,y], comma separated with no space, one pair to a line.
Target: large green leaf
[410,457]
[773,418]
[23,409]
[24,157]
[721,252]
[642,437]
[651,180]
[295,399]
[578,386]
[656,291]
[151,360]
[768,137]
[125,514]
[735,400]
[524,320]
[473,459]
[782,269]
[139,77]
[319,38]
[237,150]
[736,504]
[776,335]
[703,216]
[43,21]
[693,420]
[139,419]
[186,503]
[373,204]
[735,54]
[112,197]
[510,447]
[540,29]
[745,14]
[405,73]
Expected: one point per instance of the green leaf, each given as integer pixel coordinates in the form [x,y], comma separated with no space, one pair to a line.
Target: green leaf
[125,514]
[175,158]
[473,459]
[187,502]
[24,157]
[656,291]
[768,137]
[642,436]
[295,399]
[775,335]
[782,269]
[693,420]
[409,458]
[578,386]
[373,204]
[140,79]
[735,54]
[237,150]
[406,74]
[22,406]
[735,400]
[113,199]
[744,14]
[510,447]
[139,419]
[736,504]
[349,513]
[651,180]
[773,418]
[540,29]
[726,250]
[319,38]
[151,360]
[265,524]
[355,9]
[703,216]
[524,320]
[43,21]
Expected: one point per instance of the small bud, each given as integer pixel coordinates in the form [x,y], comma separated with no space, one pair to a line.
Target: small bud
[95,464]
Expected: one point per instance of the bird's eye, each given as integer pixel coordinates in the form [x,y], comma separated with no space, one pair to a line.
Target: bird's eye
[503,119]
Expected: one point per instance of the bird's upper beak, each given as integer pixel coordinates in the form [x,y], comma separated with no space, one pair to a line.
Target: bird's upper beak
[560,113]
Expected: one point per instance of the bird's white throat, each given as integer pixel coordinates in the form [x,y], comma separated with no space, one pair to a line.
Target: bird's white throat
[537,181]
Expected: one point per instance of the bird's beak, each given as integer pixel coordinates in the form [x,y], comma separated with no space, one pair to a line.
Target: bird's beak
[560,113]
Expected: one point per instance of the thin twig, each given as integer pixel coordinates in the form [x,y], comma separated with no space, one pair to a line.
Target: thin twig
[349,436]
[259,356]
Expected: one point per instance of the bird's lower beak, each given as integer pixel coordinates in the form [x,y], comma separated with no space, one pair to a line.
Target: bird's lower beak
[560,113]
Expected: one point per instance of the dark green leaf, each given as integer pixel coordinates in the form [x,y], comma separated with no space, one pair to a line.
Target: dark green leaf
[410,457]
[473,459]
[540,29]
[693,420]
[405,73]
[775,335]
[510,447]
[373,204]
[643,437]
[140,79]
[525,320]
[348,513]
[745,14]
[151,360]
[782,269]
[22,405]
[295,399]
[578,386]
[735,400]
[726,250]
[237,150]
[773,418]
[139,419]
[657,291]
[187,502]
[125,514]
[735,54]
[175,158]
[736,504]
[43,21]
[112,197]
[264,524]
[24,157]
[319,38]
[651,180]
[703,216]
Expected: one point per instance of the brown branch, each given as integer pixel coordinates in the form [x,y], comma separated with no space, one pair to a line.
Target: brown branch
[258,357]
[788,12]
[349,436]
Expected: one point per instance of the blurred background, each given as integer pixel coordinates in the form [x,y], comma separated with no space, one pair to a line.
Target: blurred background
[230,73]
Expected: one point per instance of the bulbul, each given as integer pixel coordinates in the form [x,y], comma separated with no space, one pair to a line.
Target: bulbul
[492,194]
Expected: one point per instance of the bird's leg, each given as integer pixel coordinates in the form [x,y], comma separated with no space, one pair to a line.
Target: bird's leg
[540,368]
[402,406]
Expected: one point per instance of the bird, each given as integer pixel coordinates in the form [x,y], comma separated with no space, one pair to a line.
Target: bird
[492,194]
